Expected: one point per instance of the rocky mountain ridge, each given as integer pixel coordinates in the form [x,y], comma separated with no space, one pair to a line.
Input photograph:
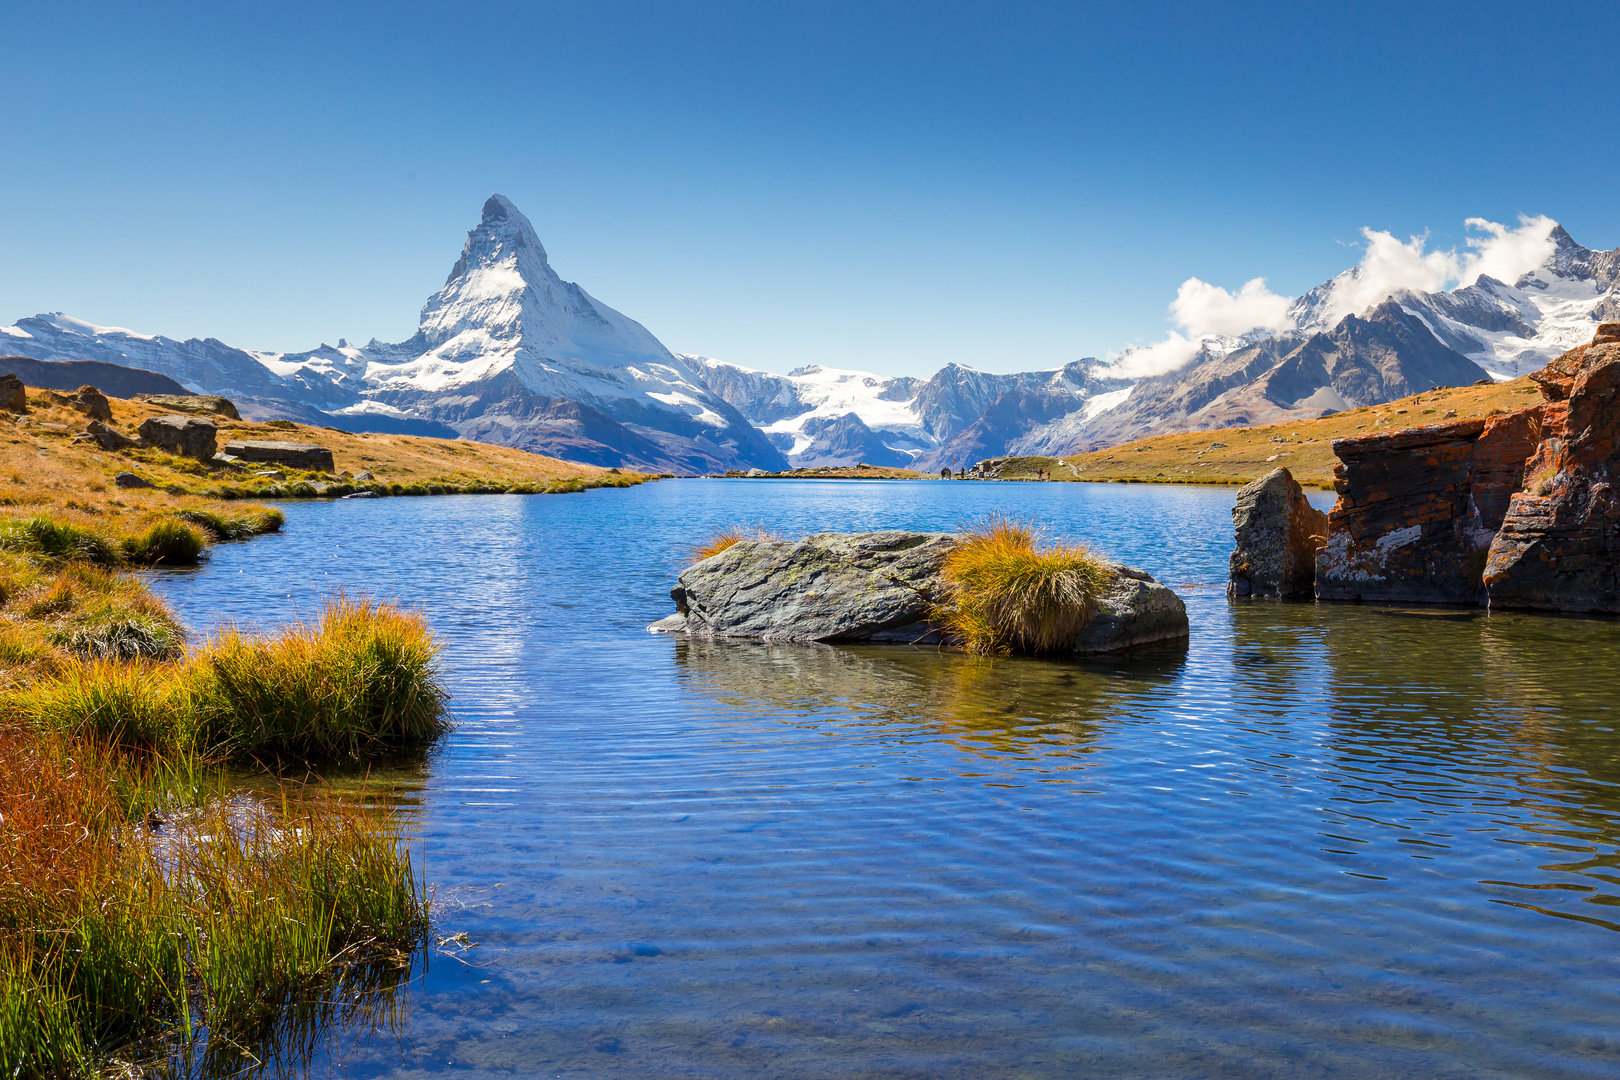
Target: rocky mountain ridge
[506,352]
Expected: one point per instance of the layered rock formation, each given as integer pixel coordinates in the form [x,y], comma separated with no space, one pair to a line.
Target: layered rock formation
[1418,508]
[1559,544]
[295,455]
[1278,532]
[881,586]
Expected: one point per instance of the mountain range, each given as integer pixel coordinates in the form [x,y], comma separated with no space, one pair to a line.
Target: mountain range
[507,352]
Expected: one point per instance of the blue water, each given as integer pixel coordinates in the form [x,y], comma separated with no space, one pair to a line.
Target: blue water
[1331,841]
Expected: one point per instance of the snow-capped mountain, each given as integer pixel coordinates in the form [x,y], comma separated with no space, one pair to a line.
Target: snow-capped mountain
[828,416]
[507,352]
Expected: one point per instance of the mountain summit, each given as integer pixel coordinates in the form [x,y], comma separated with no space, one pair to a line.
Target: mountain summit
[506,352]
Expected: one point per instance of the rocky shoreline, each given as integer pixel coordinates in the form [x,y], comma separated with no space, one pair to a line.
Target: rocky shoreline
[1515,510]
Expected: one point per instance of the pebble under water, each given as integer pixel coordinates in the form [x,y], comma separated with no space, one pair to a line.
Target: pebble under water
[1322,841]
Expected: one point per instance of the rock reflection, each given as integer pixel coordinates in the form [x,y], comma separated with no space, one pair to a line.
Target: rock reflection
[999,707]
[1502,723]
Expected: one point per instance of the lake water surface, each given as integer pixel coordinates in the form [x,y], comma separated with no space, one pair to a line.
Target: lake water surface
[1335,841]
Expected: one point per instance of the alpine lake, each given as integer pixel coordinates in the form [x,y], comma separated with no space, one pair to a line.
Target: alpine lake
[1319,841]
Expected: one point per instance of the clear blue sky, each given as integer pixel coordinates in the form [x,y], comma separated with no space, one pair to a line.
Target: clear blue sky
[884,186]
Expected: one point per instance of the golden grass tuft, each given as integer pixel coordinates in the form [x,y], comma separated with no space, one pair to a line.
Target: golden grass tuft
[1008,591]
[730,537]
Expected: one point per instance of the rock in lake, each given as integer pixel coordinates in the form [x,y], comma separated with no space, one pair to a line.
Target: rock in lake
[188,436]
[1278,532]
[881,586]
[294,455]
[1559,544]
[192,403]
[1418,508]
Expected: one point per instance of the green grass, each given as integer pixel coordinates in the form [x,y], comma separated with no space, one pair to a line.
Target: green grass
[168,543]
[1006,591]
[249,521]
[361,681]
[145,916]
[48,540]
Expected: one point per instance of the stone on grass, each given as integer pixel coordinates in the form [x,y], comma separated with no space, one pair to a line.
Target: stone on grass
[192,403]
[306,456]
[129,480]
[188,436]
[1278,531]
[13,395]
[109,439]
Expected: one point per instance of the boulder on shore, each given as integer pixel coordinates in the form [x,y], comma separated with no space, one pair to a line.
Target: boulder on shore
[294,455]
[188,436]
[1278,532]
[192,403]
[1559,544]
[880,586]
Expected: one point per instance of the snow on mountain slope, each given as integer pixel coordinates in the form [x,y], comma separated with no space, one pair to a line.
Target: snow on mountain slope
[823,416]
[506,352]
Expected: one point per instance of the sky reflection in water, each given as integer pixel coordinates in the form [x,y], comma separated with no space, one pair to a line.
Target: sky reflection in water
[1321,841]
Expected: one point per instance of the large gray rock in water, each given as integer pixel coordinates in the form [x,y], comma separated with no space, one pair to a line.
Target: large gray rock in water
[1278,531]
[294,455]
[880,586]
[188,436]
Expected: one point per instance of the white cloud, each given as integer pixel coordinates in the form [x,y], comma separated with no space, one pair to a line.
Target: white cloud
[1388,266]
[1156,359]
[1508,254]
[1201,308]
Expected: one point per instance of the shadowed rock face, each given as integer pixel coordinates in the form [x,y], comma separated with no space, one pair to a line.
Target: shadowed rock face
[880,586]
[1418,509]
[188,436]
[1277,535]
[13,395]
[1559,545]
[295,455]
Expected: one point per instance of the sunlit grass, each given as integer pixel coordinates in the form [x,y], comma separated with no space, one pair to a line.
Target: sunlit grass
[730,537]
[1010,591]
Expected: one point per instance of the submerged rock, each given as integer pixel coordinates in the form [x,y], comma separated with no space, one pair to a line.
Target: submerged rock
[1278,532]
[1559,545]
[881,586]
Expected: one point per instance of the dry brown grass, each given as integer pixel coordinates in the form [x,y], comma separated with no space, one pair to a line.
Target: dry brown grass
[1011,590]
[730,536]
[1304,446]
[42,471]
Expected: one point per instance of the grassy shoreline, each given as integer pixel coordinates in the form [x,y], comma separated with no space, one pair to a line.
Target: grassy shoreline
[149,910]
[44,472]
